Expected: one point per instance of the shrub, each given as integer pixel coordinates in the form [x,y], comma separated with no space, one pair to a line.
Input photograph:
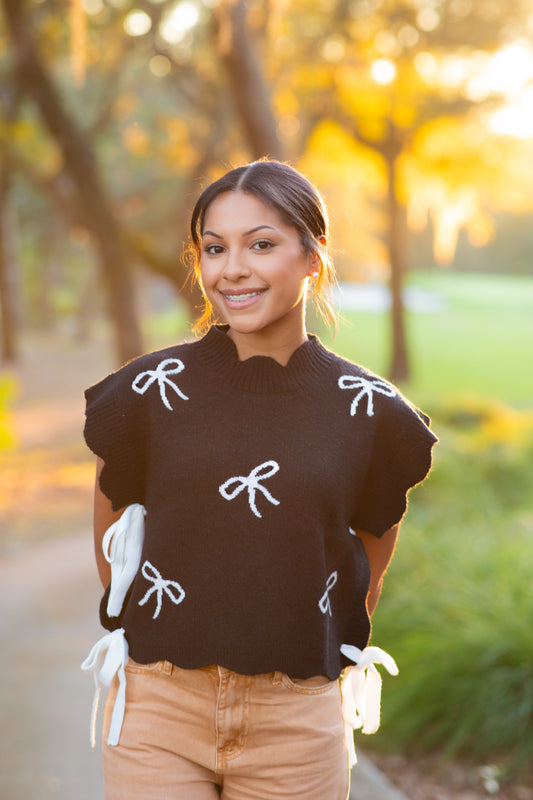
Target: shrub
[457,607]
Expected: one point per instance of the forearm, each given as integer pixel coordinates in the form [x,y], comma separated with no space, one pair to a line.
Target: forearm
[373,596]
[104,516]
[379,552]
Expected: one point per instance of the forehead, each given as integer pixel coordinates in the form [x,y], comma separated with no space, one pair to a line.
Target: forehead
[240,212]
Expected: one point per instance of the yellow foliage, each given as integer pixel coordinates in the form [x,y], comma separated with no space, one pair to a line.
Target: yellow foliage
[286,103]
[8,388]
[25,139]
[20,131]
[507,425]
[125,105]
[404,116]
[450,210]
[456,175]
[481,230]
[498,424]
[350,177]
[340,155]
[178,149]
[78,40]
[176,129]
[135,140]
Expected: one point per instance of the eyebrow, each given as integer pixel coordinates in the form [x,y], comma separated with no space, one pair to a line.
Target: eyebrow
[246,233]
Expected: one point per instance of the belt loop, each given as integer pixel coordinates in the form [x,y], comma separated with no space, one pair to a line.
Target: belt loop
[277,678]
[167,667]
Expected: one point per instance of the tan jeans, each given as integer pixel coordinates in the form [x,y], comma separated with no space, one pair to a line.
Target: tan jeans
[211,733]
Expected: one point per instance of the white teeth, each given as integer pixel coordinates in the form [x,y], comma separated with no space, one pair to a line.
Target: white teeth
[240,298]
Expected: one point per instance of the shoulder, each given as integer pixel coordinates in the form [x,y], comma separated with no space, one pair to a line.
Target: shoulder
[374,396]
[183,351]
[167,360]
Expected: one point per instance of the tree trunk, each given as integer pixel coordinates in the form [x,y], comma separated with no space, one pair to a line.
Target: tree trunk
[399,369]
[249,90]
[8,312]
[80,163]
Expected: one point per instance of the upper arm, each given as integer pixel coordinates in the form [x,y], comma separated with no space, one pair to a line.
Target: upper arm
[104,516]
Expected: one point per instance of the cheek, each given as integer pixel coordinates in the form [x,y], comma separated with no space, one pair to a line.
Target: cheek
[206,276]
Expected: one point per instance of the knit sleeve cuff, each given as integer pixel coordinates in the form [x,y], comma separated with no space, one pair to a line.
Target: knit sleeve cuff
[401,458]
[112,434]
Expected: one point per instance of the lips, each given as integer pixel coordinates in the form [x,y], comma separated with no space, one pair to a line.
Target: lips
[241,297]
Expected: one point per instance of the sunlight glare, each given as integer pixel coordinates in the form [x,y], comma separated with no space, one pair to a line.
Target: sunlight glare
[93,7]
[408,36]
[428,19]
[159,66]
[383,71]
[426,66]
[179,22]
[515,119]
[137,23]
[507,72]
[386,43]
[454,71]
[333,50]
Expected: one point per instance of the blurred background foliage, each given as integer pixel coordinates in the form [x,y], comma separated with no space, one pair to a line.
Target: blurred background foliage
[414,118]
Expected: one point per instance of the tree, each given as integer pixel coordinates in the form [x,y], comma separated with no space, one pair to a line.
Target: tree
[82,167]
[347,88]
[8,302]
[8,312]
[238,51]
[369,67]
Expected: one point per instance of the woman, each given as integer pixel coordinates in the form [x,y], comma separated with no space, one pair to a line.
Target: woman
[273,475]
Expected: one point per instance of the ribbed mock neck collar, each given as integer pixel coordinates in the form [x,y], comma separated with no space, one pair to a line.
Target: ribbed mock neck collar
[262,374]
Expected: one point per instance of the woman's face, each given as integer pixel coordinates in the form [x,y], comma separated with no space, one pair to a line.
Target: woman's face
[253,267]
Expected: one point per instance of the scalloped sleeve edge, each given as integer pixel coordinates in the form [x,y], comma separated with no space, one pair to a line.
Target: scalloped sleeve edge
[108,433]
[401,462]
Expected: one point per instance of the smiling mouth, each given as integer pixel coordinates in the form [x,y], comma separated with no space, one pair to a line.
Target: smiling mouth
[243,296]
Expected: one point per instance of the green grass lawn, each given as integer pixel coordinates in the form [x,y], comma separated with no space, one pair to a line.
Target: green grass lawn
[481,344]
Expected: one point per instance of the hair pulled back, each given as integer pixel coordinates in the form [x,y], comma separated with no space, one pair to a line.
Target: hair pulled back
[298,203]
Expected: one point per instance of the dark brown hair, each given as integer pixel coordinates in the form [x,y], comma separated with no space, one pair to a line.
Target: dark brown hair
[298,203]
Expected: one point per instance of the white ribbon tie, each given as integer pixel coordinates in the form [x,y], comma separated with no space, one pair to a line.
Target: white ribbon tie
[366,388]
[252,483]
[144,380]
[361,690]
[324,602]
[160,585]
[108,658]
[122,547]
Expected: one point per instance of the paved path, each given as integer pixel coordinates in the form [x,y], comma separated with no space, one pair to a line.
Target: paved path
[49,596]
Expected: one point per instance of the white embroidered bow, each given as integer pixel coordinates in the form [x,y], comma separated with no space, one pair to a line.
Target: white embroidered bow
[361,690]
[367,388]
[252,483]
[160,374]
[122,547]
[160,585]
[324,602]
[108,658]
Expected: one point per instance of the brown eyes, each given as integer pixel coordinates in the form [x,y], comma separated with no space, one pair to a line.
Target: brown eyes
[217,249]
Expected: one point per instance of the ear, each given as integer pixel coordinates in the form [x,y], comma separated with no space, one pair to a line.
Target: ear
[315,262]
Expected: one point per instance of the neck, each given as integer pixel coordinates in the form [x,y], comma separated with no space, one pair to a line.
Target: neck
[261,343]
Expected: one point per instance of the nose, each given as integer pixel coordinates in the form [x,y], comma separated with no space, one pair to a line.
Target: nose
[235,266]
